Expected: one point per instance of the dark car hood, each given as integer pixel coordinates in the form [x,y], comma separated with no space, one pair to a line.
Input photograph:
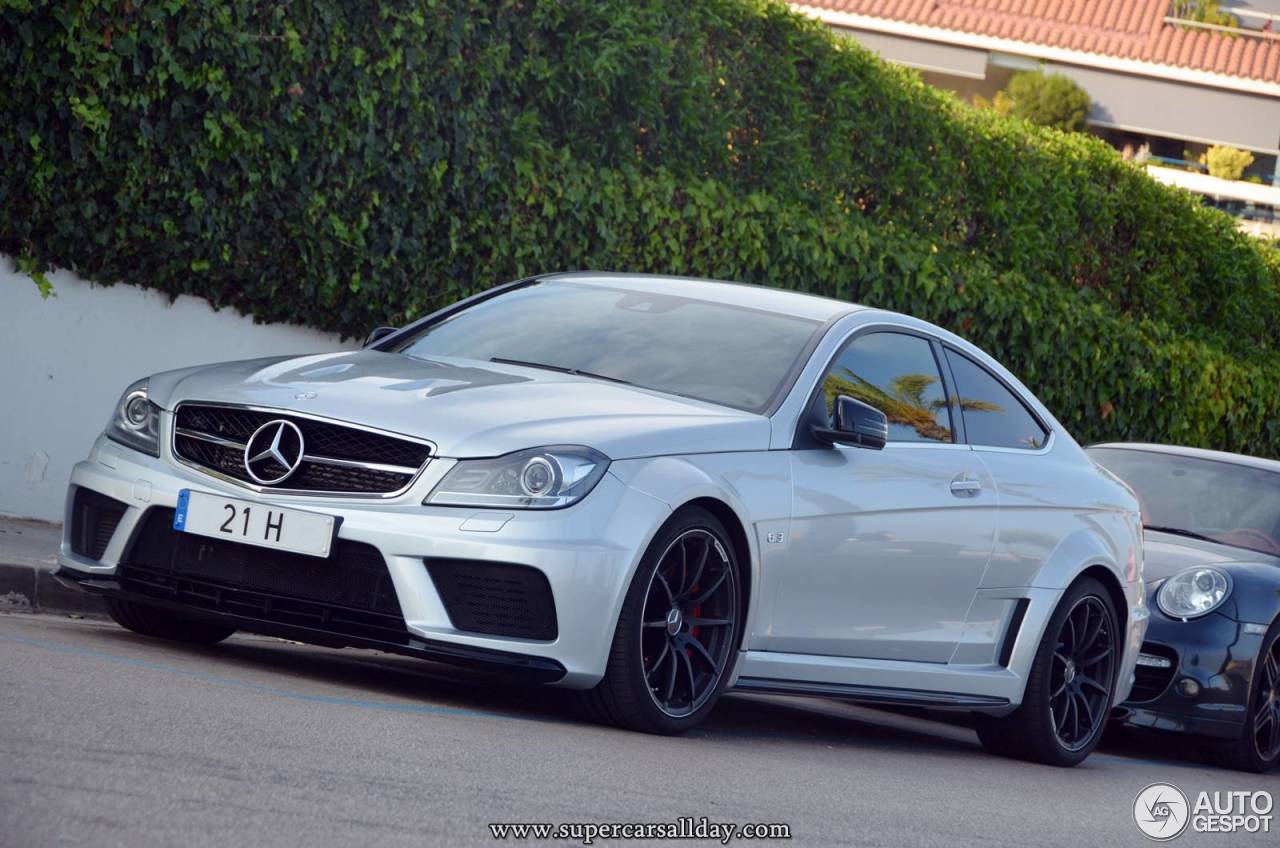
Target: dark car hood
[1168,553]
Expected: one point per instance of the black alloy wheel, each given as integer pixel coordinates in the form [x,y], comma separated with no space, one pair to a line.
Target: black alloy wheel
[1081,673]
[1258,748]
[1070,683]
[688,622]
[678,632]
[1266,712]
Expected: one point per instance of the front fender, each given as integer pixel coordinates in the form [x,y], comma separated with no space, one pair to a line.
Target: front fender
[755,487]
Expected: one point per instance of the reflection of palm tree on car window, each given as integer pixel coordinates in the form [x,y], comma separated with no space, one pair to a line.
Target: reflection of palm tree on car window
[905,404]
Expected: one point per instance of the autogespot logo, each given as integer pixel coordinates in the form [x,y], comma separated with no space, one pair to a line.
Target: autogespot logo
[1161,811]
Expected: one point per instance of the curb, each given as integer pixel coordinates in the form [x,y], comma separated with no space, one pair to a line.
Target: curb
[29,588]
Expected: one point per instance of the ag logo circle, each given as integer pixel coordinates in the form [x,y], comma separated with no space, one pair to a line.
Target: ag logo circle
[1161,811]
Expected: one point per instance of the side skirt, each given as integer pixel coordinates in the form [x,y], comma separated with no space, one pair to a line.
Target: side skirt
[870,694]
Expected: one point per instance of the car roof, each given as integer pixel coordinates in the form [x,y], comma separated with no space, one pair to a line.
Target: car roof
[1195,453]
[746,295]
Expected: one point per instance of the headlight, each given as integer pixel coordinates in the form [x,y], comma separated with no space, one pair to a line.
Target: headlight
[1193,592]
[136,421]
[539,478]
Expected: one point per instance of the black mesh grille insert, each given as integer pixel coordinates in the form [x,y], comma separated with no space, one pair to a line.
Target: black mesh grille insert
[349,593]
[500,599]
[323,440]
[1149,682]
[94,518]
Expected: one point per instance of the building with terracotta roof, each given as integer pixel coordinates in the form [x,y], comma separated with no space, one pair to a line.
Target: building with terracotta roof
[1155,76]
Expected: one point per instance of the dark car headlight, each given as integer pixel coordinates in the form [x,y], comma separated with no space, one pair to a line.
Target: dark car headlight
[538,478]
[1194,592]
[136,421]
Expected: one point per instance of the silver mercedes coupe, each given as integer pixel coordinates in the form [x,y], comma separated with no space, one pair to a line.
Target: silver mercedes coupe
[648,489]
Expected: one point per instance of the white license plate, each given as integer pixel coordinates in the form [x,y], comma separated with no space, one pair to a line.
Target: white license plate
[264,525]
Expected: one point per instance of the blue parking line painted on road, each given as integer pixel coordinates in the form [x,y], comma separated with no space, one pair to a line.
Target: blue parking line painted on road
[203,677]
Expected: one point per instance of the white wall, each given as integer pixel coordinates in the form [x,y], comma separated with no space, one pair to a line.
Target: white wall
[64,362]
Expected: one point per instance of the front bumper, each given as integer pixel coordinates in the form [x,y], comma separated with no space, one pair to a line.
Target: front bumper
[1206,688]
[588,553]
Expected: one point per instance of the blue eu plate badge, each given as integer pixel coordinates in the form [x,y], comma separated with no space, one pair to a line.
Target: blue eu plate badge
[180,514]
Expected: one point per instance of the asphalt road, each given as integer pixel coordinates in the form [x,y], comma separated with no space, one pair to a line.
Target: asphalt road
[107,738]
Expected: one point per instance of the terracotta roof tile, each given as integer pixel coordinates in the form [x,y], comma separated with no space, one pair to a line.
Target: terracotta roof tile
[1131,29]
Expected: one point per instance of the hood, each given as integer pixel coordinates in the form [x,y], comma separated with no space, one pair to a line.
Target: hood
[471,409]
[1166,554]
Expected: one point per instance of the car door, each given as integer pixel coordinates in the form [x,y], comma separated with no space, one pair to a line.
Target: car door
[887,547]
[1013,442]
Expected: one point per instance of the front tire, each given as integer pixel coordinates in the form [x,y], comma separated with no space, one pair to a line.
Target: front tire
[163,624]
[1258,748]
[1068,697]
[678,633]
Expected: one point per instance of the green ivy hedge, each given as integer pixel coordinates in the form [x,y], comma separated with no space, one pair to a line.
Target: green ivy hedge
[352,164]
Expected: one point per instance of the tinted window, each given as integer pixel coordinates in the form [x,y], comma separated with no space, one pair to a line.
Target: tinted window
[898,375]
[725,354]
[1234,504]
[993,415]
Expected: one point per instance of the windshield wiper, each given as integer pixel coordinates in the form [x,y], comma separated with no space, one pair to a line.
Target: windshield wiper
[560,369]
[1178,531]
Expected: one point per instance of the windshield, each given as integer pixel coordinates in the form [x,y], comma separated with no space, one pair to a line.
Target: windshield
[1222,501]
[710,351]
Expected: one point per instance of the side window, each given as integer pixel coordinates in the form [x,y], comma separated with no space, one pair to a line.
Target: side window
[898,375]
[993,415]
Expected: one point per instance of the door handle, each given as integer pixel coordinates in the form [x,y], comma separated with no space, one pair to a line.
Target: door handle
[965,486]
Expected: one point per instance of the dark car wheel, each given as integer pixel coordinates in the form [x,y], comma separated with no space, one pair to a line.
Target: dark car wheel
[678,632]
[163,624]
[1258,748]
[1068,697]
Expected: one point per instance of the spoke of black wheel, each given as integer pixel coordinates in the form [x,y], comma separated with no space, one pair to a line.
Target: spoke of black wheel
[709,622]
[1262,719]
[703,652]
[688,664]
[1058,691]
[702,564]
[1075,720]
[705,596]
[684,569]
[1061,723]
[1072,625]
[662,581]
[666,649]
[1093,631]
[1060,657]
[662,623]
[1088,712]
[1089,681]
[1089,662]
[671,678]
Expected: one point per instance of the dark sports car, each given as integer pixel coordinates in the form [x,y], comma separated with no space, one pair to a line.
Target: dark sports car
[1210,665]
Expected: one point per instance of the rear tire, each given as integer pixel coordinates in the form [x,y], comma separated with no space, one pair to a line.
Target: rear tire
[163,624]
[678,632]
[1065,707]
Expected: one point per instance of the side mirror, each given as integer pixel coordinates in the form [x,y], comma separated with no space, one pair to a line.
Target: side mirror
[857,423]
[379,333]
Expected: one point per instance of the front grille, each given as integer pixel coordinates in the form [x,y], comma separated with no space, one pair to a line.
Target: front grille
[339,458]
[499,599]
[1149,682]
[350,593]
[94,518]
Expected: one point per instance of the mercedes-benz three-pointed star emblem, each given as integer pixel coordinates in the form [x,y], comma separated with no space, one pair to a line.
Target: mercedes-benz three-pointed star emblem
[274,452]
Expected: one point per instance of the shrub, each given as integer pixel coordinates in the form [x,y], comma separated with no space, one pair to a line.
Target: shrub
[1227,163]
[1047,100]
[351,164]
